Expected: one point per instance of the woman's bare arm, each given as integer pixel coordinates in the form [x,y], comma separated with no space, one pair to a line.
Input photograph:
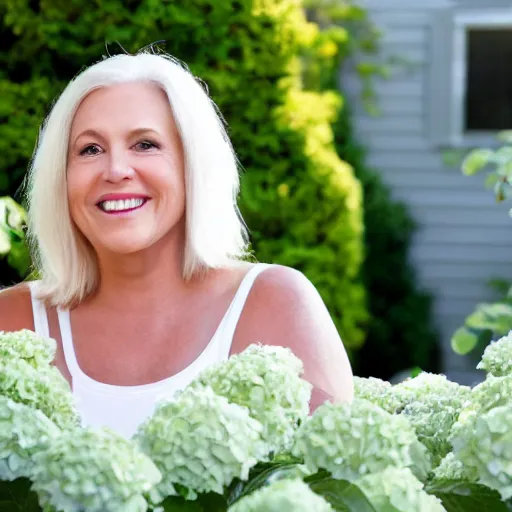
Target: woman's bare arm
[15,309]
[285,309]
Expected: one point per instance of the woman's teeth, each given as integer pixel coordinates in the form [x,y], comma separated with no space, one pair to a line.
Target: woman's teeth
[121,205]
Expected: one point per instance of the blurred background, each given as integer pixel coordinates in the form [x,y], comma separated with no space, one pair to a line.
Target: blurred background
[357,124]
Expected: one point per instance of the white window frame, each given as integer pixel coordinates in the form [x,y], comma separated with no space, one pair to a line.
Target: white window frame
[448,73]
[464,21]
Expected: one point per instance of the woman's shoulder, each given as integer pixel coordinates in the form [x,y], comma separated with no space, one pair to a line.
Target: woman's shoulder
[16,308]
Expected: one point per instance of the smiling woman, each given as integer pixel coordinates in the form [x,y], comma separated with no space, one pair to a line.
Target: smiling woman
[142,251]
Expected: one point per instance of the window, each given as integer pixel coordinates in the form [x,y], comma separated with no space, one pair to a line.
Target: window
[488,80]
[471,76]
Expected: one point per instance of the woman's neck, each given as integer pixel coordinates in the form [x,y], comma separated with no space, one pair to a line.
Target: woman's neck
[149,278]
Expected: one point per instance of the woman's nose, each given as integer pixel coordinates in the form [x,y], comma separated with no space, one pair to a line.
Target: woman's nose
[118,168]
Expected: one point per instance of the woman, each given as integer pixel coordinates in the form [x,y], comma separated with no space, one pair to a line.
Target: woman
[141,248]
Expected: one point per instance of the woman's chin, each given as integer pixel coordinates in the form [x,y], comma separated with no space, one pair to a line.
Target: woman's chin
[123,247]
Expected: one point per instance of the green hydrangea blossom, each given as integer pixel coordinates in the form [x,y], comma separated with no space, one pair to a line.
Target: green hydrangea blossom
[374,390]
[429,387]
[27,345]
[453,469]
[43,388]
[23,432]
[492,392]
[201,442]
[353,439]
[497,357]
[282,496]
[433,420]
[93,470]
[398,490]
[266,380]
[432,404]
[483,443]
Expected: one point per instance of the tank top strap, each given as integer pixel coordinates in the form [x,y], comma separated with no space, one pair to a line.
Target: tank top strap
[67,342]
[41,326]
[226,331]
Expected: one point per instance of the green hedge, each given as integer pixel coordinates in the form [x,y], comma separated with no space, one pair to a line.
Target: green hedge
[301,202]
[401,332]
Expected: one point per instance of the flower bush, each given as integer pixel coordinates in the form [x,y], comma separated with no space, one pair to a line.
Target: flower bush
[423,445]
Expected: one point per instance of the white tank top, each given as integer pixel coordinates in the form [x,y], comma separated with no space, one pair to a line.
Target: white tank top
[124,408]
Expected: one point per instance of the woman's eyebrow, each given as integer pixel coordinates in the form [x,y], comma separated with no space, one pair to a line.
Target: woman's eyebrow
[94,133]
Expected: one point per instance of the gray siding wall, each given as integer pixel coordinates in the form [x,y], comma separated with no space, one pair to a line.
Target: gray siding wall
[464,238]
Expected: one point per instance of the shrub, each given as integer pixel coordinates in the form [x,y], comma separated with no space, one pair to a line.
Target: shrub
[201,451]
[400,332]
[301,202]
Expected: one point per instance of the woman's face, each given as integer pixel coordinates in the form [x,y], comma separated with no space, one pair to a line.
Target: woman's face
[125,171]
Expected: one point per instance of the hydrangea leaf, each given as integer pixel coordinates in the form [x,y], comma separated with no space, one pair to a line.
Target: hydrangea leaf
[458,496]
[341,494]
[16,496]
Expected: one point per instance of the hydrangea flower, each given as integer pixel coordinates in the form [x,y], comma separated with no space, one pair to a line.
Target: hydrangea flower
[433,420]
[497,357]
[374,390]
[42,388]
[492,392]
[281,496]
[429,387]
[23,432]
[27,345]
[266,380]
[432,404]
[201,442]
[93,470]
[353,439]
[398,490]
[453,469]
[483,443]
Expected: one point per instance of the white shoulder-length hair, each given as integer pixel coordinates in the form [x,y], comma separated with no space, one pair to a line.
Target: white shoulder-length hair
[216,235]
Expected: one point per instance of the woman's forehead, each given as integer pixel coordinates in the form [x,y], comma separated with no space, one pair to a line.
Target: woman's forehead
[130,105]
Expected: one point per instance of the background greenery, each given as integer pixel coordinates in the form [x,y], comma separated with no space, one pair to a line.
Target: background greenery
[272,74]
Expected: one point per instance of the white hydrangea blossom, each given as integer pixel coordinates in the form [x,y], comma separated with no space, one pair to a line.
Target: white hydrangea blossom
[27,345]
[201,442]
[353,439]
[453,469]
[429,386]
[374,390]
[432,404]
[93,470]
[23,432]
[433,420]
[266,380]
[398,490]
[497,357]
[282,496]
[43,388]
[483,443]
[492,392]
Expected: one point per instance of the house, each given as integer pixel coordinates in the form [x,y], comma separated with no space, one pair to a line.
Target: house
[455,93]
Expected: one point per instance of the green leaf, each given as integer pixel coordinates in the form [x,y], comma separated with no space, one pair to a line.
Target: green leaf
[476,160]
[16,496]
[262,475]
[464,340]
[343,496]
[210,502]
[466,497]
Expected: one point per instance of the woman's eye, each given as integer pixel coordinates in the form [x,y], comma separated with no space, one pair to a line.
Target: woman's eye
[145,145]
[89,150]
